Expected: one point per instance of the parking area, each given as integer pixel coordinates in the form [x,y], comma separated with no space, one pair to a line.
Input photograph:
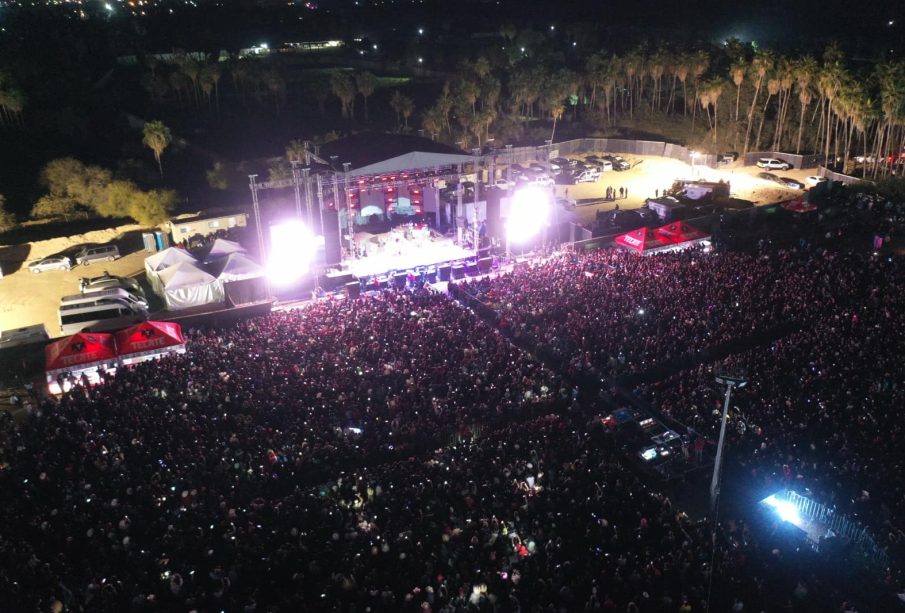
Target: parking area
[650,175]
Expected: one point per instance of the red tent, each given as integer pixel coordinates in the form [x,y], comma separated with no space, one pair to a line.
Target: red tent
[640,240]
[799,205]
[679,232]
[149,339]
[76,351]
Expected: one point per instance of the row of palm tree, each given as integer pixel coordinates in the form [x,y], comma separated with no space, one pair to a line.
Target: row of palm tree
[748,99]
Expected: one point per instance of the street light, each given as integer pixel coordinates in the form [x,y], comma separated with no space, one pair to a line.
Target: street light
[730,380]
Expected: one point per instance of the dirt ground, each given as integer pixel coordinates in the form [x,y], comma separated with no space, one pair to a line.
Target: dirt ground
[650,174]
[27,298]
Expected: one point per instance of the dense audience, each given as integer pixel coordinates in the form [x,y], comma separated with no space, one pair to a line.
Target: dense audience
[822,410]
[396,453]
[614,313]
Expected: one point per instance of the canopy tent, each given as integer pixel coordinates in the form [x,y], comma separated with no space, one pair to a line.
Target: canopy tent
[166,258]
[185,286]
[77,355]
[161,261]
[680,232]
[672,236]
[238,266]
[148,340]
[222,248]
[799,205]
[414,159]
[640,240]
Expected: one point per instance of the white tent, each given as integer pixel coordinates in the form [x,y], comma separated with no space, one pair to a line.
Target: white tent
[185,285]
[161,261]
[222,248]
[239,266]
[414,159]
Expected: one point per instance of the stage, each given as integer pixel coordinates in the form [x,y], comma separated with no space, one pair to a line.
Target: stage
[403,248]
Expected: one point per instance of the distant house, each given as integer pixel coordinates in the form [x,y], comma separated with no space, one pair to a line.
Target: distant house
[205,223]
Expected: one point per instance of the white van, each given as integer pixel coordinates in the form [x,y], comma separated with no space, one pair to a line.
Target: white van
[99,313]
[104,253]
[125,296]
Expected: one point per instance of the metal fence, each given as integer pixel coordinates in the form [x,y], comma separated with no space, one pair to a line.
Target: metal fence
[842,526]
[520,155]
[796,160]
[823,171]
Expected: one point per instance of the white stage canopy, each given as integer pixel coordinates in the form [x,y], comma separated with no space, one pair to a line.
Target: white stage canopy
[185,286]
[415,159]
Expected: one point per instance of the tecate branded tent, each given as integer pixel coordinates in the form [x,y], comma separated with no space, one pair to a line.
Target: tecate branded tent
[185,286]
[222,248]
[641,240]
[149,340]
[679,232]
[80,354]
[161,261]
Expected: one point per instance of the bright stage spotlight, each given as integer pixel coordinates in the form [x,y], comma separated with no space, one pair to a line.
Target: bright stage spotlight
[785,509]
[292,248]
[528,213]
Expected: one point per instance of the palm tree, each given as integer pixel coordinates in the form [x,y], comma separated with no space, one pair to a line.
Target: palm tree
[715,88]
[396,105]
[433,121]
[773,86]
[366,83]
[295,151]
[804,98]
[683,67]
[343,87]
[157,137]
[406,107]
[556,111]
[737,71]
[700,64]
[762,63]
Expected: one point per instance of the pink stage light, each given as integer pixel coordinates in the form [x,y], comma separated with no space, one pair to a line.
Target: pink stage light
[292,248]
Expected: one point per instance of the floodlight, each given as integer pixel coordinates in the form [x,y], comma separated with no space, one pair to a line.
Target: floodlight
[785,509]
[528,213]
[292,248]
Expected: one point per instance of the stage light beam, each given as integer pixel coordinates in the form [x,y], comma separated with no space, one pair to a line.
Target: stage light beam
[291,251]
[528,213]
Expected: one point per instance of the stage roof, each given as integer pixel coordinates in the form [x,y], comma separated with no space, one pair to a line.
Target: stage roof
[371,153]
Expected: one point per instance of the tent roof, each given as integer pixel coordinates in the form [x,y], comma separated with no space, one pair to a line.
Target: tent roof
[639,240]
[679,232]
[184,274]
[168,257]
[413,159]
[371,148]
[148,336]
[240,266]
[79,349]
[221,248]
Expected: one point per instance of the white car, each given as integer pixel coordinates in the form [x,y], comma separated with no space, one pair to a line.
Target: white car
[773,164]
[54,262]
[503,184]
[814,180]
[544,181]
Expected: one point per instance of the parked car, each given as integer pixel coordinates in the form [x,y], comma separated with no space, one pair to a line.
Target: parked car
[103,253]
[587,176]
[773,164]
[502,184]
[728,157]
[814,180]
[619,164]
[768,176]
[562,162]
[790,182]
[108,281]
[544,181]
[54,262]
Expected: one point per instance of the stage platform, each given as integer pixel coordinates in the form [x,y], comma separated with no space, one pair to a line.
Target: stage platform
[403,248]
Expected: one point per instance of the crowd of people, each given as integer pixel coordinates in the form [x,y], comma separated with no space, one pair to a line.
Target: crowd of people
[821,413]
[395,452]
[611,313]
